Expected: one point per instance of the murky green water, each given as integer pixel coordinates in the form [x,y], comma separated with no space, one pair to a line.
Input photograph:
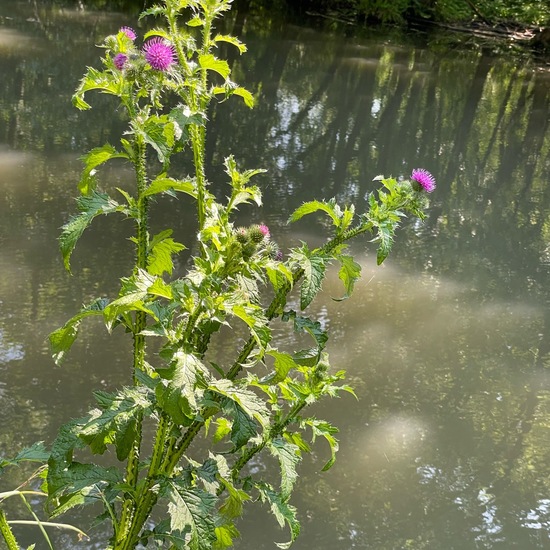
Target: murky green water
[448,344]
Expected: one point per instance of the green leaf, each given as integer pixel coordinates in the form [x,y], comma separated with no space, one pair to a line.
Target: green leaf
[314,206]
[169,185]
[225,534]
[288,455]
[90,206]
[247,400]
[105,81]
[305,324]
[231,40]
[162,134]
[195,22]
[314,266]
[326,430]
[83,484]
[257,323]
[185,117]
[116,420]
[92,160]
[229,89]
[72,483]
[182,387]
[63,338]
[211,63]
[349,273]
[233,504]
[153,10]
[192,513]
[279,275]
[35,453]
[283,512]
[133,292]
[161,250]
[283,365]
[385,237]
[243,426]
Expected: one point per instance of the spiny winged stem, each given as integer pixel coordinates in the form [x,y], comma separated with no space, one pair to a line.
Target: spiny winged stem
[198,97]
[142,245]
[7,533]
[275,431]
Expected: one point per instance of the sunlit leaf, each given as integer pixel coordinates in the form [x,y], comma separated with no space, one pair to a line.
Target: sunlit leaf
[247,400]
[162,248]
[211,63]
[283,512]
[63,338]
[166,185]
[289,456]
[326,430]
[349,273]
[92,160]
[231,40]
[192,511]
[182,387]
[104,81]
[225,535]
[90,207]
[314,266]
[283,364]
[233,504]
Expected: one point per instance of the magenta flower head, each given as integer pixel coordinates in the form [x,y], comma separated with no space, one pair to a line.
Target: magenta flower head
[159,53]
[120,60]
[264,230]
[423,180]
[129,32]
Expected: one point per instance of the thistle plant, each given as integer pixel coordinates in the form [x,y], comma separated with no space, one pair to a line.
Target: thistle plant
[241,407]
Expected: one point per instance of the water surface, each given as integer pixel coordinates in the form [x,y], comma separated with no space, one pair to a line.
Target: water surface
[447,344]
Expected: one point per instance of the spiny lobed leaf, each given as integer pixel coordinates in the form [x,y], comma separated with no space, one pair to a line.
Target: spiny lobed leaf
[349,273]
[92,160]
[288,455]
[283,512]
[191,513]
[116,420]
[90,206]
[313,263]
[162,248]
[182,387]
[63,338]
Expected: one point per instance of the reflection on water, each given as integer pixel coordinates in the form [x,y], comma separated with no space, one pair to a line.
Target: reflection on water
[447,345]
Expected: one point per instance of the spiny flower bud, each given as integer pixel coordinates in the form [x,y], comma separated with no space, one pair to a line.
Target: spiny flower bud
[241,235]
[258,233]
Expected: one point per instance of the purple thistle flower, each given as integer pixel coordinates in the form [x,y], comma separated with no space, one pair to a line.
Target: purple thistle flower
[129,32]
[264,230]
[159,54]
[423,179]
[120,60]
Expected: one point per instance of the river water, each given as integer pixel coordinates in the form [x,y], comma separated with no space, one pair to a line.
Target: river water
[447,344]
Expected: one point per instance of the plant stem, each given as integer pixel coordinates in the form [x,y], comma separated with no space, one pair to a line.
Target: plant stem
[142,246]
[7,533]
[273,433]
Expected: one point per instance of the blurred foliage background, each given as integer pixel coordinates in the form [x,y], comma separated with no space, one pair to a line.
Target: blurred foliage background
[523,12]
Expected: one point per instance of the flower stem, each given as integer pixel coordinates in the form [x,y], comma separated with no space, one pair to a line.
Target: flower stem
[142,245]
[7,533]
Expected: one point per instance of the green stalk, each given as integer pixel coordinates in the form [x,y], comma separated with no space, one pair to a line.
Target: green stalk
[142,246]
[146,497]
[273,433]
[7,533]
